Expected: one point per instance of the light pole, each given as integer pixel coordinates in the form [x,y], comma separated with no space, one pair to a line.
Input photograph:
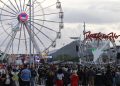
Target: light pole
[30,9]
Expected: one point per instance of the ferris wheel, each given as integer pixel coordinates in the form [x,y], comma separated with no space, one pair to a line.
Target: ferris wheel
[20,20]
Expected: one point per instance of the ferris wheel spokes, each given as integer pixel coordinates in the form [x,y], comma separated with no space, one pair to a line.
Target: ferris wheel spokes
[54,43]
[8,11]
[17,5]
[13,6]
[5,29]
[47,20]
[20,6]
[44,8]
[24,5]
[42,33]
[7,15]
[19,38]
[8,7]
[9,44]
[26,49]
[33,40]
[5,40]
[38,38]
[45,14]
[44,26]
[7,19]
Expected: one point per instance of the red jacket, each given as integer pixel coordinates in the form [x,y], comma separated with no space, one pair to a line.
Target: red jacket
[74,80]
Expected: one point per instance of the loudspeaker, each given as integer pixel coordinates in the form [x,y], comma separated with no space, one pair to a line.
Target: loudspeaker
[77,48]
[118,55]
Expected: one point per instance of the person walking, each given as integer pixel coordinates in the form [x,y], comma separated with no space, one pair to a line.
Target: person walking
[66,78]
[49,78]
[59,77]
[108,77]
[117,77]
[25,76]
[74,78]
[91,75]
[33,75]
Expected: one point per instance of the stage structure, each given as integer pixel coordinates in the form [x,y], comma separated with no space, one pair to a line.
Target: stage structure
[98,43]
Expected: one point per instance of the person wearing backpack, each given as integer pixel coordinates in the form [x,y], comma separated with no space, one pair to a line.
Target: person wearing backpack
[25,76]
[15,78]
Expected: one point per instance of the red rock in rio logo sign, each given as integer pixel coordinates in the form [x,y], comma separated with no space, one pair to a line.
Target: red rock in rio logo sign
[99,36]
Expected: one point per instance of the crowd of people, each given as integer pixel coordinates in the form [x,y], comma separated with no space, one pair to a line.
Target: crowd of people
[59,75]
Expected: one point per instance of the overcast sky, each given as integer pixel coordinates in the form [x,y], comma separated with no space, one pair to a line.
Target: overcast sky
[99,15]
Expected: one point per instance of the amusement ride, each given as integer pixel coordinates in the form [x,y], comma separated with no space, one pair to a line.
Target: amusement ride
[29,26]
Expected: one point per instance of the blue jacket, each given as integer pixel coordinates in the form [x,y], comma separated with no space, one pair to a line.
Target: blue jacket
[25,75]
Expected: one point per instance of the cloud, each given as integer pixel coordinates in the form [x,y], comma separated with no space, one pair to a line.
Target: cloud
[98,12]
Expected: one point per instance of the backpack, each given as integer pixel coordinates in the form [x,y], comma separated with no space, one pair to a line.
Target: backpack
[15,77]
[25,75]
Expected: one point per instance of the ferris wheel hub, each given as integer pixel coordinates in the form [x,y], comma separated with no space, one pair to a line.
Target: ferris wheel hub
[23,17]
